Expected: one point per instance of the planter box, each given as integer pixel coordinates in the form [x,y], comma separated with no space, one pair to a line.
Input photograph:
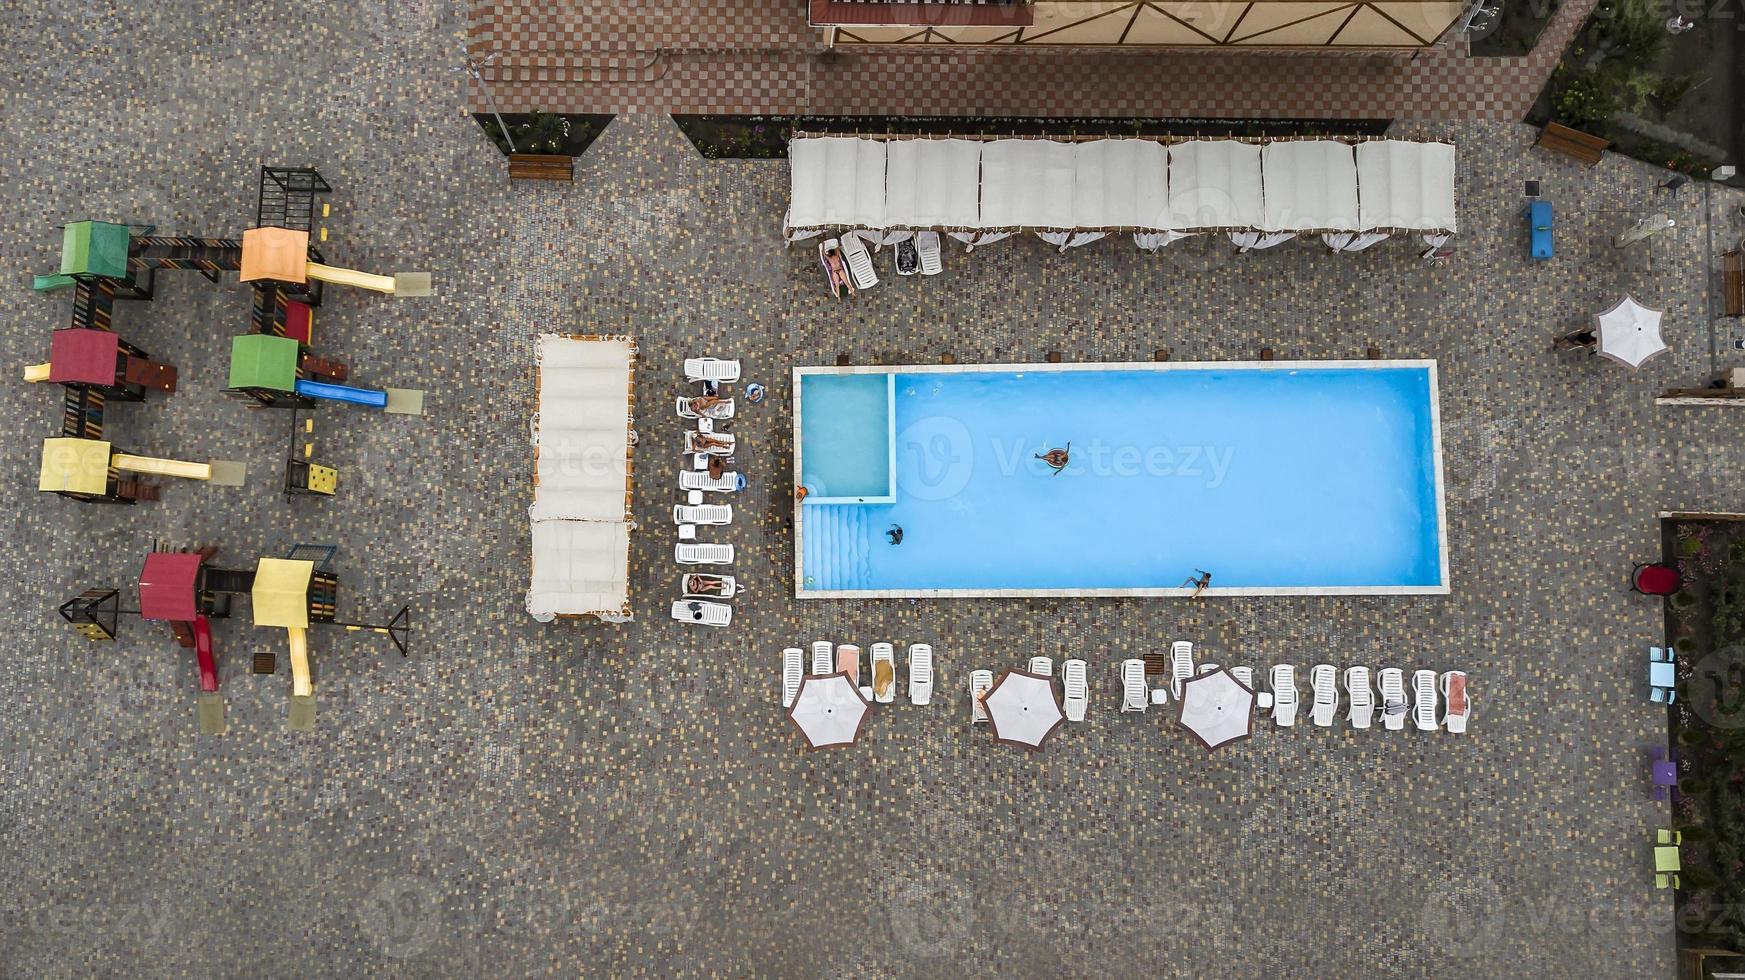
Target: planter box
[541,166]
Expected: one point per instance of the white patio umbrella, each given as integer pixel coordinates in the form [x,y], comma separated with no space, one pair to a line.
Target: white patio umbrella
[828,710]
[1629,332]
[1216,708]
[1023,709]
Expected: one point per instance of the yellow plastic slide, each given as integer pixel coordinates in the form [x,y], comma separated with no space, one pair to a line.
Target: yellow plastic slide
[162,467]
[351,277]
[300,685]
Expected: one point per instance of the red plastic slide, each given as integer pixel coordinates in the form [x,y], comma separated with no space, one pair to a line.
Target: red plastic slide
[203,653]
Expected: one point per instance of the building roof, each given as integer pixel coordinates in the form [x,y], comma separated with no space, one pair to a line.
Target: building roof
[167,585]
[259,360]
[281,592]
[78,356]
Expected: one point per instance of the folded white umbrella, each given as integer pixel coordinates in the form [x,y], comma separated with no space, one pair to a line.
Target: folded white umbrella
[828,711]
[1629,332]
[1023,709]
[1216,708]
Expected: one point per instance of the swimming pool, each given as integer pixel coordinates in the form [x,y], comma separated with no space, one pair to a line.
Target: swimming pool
[1286,478]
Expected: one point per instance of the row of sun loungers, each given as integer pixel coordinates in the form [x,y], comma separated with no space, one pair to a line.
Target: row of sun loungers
[1075,688]
[702,593]
[844,658]
[1436,702]
[848,267]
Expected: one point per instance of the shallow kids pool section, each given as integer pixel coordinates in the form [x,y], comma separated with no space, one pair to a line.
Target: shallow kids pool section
[1307,477]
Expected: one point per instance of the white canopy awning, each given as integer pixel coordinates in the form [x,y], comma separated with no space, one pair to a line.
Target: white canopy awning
[836,181]
[1027,184]
[1311,185]
[1406,185]
[1121,183]
[581,496]
[932,183]
[1215,184]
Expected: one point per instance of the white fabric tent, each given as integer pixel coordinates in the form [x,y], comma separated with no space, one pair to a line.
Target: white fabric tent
[932,183]
[581,503]
[1406,185]
[1028,184]
[836,180]
[1311,185]
[1121,184]
[1215,184]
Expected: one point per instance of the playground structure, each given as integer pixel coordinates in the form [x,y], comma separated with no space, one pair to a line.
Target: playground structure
[91,470]
[272,366]
[184,590]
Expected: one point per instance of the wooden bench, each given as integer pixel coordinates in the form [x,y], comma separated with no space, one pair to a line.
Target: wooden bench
[1573,143]
[540,166]
[1733,283]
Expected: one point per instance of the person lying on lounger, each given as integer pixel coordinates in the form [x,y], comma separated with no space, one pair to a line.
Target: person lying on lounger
[705,585]
[703,441]
[705,404]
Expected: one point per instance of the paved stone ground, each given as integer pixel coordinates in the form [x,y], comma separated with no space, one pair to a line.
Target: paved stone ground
[518,799]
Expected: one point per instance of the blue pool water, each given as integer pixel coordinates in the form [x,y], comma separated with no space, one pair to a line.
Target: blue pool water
[849,437]
[1284,478]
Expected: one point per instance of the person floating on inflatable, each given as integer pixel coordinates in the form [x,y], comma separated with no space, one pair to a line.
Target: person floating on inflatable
[1056,458]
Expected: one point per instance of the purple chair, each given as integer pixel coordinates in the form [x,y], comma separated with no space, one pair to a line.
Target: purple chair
[1665,773]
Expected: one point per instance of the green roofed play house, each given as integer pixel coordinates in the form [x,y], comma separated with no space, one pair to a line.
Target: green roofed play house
[95,248]
[259,360]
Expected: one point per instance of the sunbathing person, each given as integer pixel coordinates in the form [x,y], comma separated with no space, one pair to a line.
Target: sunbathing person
[705,441]
[705,585]
[706,404]
[1057,458]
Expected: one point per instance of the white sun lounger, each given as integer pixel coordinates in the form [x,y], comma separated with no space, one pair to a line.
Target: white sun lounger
[886,654]
[1262,700]
[920,673]
[721,411]
[1424,700]
[1323,683]
[1042,665]
[1181,665]
[691,480]
[703,514]
[980,682]
[1394,706]
[1207,667]
[694,443]
[1283,681]
[711,369]
[823,657]
[703,613]
[927,250]
[1456,701]
[703,554]
[793,669]
[1077,692]
[848,661]
[859,263]
[1360,696]
[1134,697]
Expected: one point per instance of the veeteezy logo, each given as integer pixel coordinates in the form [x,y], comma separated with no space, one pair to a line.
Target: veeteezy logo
[936,458]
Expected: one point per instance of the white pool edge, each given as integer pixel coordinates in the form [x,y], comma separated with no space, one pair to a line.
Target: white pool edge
[1443,588]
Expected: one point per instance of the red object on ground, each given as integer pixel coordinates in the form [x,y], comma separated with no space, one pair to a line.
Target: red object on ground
[298,320]
[1657,579]
[166,585]
[203,654]
[82,356]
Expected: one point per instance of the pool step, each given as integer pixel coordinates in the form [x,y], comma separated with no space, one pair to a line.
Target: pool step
[837,537]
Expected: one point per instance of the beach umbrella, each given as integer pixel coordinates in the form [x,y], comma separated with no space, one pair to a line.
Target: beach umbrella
[1629,332]
[1216,708]
[1023,709]
[828,711]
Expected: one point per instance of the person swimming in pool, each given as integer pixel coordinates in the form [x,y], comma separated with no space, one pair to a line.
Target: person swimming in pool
[895,534]
[1057,458]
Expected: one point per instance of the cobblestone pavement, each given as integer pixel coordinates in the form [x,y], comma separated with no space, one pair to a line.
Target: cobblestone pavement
[516,799]
[759,56]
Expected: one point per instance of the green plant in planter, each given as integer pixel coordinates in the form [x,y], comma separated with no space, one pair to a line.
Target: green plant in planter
[1698,878]
[1684,600]
[541,132]
[1694,786]
[1690,547]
